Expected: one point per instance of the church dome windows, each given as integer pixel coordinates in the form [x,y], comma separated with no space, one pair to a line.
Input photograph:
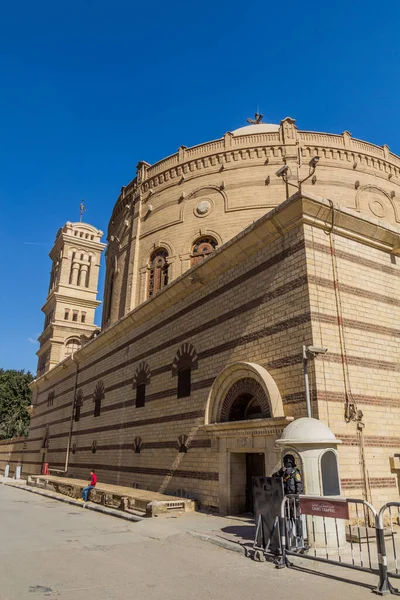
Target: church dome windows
[159,271]
[202,247]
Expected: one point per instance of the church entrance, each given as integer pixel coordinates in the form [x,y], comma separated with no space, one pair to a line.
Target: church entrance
[244,466]
[245,417]
[255,467]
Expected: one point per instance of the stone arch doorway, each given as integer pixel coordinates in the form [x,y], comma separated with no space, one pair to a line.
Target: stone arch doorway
[241,378]
[245,416]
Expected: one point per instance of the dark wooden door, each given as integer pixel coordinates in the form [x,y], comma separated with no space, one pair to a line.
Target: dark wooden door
[255,467]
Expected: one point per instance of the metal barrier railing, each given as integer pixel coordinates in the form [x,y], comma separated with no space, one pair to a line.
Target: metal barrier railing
[346,532]
[390,554]
[325,536]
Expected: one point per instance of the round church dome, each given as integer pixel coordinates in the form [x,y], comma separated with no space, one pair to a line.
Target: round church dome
[256,128]
[307,431]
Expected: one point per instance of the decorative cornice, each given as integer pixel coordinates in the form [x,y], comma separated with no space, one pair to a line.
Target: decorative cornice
[231,149]
[253,427]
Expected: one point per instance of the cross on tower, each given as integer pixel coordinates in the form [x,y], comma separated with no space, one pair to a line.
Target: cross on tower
[82,209]
[258,117]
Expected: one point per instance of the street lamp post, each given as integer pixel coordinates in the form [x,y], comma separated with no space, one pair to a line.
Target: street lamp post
[310,352]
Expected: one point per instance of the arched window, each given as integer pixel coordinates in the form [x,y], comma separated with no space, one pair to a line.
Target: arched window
[245,400]
[50,399]
[158,277]
[108,298]
[184,381]
[98,395]
[71,346]
[202,248]
[330,474]
[184,362]
[140,380]
[78,405]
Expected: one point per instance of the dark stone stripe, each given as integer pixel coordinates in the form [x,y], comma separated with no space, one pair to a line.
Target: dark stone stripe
[204,475]
[48,412]
[67,391]
[57,422]
[164,394]
[201,328]
[375,482]
[36,439]
[262,333]
[353,258]
[254,303]
[274,260]
[359,325]
[24,462]
[20,452]
[338,397]
[130,424]
[370,440]
[130,448]
[354,291]
[368,363]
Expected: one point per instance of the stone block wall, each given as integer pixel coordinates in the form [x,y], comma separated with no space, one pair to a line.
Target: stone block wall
[357,318]
[254,311]
[281,284]
[12,452]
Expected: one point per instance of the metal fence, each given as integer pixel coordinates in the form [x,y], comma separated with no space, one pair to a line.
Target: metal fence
[389,514]
[353,537]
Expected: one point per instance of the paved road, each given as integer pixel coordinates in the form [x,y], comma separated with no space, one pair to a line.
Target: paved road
[49,549]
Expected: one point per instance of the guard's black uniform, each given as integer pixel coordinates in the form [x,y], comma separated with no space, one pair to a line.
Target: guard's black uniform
[292,484]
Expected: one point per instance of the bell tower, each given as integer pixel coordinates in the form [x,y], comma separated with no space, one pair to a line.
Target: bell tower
[72,299]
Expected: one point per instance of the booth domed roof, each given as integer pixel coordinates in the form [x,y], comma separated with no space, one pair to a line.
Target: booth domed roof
[307,431]
[256,128]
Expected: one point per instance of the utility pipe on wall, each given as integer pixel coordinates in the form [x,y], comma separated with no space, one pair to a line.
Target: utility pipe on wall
[71,424]
[306,382]
[311,351]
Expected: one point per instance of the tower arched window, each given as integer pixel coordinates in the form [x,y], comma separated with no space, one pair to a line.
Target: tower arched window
[158,276]
[71,346]
[203,247]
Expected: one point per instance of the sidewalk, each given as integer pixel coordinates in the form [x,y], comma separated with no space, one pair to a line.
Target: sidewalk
[234,533]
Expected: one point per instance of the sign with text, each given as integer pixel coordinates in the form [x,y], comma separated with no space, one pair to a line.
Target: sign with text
[320,507]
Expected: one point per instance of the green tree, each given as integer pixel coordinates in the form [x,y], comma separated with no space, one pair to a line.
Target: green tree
[15,397]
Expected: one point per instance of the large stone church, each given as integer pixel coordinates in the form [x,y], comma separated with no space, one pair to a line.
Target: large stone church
[225,262]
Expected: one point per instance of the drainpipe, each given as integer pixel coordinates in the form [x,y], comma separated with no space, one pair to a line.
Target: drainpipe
[71,423]
[306,382]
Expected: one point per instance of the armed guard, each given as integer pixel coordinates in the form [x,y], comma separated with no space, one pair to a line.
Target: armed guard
[292,484]
[291,476]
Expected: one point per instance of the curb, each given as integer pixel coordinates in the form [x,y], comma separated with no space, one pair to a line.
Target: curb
[226,544]
[89,506]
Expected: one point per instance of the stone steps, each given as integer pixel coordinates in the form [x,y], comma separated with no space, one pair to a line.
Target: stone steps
[133,501]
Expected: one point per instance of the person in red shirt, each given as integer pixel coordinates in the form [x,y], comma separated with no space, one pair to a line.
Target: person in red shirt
[92,484]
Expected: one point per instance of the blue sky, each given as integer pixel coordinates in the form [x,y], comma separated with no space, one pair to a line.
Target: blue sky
[89,88]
